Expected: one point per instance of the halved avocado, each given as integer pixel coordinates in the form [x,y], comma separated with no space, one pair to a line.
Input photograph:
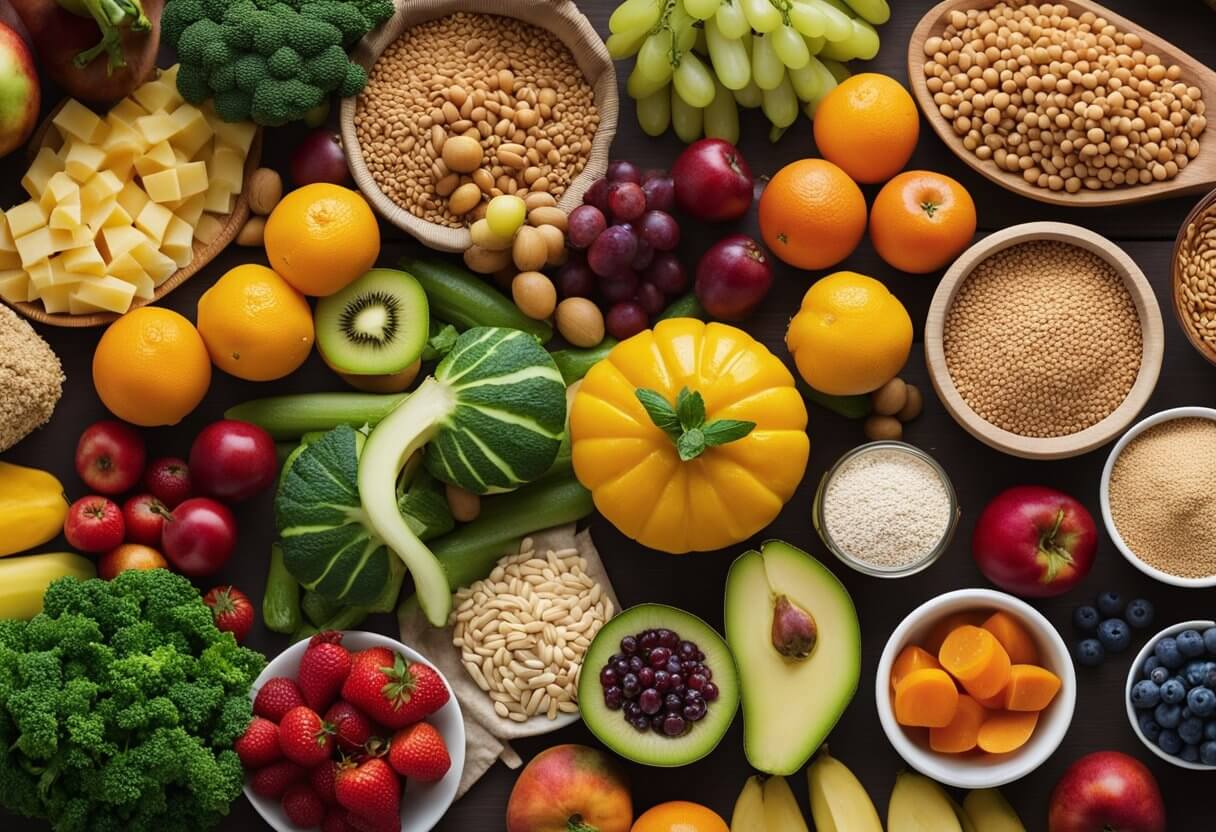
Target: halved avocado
[790,704]
[649,748]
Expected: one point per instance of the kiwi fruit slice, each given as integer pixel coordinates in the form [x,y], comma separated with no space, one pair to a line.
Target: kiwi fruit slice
[378,325]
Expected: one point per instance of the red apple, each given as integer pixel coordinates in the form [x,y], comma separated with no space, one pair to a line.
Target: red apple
[570,787]
[199,536]
[1034,541]
[20,94]
[110,457]
[1106,791]
[232,460]
[733,277]
[319,158]
[713,181]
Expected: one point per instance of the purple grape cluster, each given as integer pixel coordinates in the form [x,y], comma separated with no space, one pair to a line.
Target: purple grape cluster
[623,238]
[658,682]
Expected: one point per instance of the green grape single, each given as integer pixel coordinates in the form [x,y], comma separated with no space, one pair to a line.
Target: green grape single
[702,9]
[639,86]
[780,104]
[863,44]
[836,24]
[684,27]
[815,45]
[767,69]
[635,15]
[807,19]
[789,47]
[839,71]
[875,12]
[654,112]
[761,14]
[622,45]
[722,116]
[828,83]
[808,80]
[750,97]
[693,82]
[687,120]
[731,20]
[654,58]
[728,56]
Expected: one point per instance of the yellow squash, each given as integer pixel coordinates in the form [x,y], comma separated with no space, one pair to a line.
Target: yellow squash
[32,508]
[24,580]
[715,473]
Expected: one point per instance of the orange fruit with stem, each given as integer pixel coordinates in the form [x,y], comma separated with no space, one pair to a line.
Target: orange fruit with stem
[921,220]
[812,215]
[868,125]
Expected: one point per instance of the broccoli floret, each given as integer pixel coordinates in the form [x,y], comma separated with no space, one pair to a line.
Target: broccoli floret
[238,37]
[192,46]
[285,63]
[344,16]
[270,33]
[223,78]
[354,82]
[327,70]
[251,70]
[309,36]
[376,11]
[215,8]
[234,105]
[177,16]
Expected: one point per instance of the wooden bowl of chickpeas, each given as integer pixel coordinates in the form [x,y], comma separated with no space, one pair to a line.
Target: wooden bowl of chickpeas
[470,99]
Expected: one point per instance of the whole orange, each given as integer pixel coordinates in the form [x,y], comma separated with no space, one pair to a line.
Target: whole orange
[321,237]
[921,220]
[256,326]
[812,215]
[679,816]
[129,556]
[868,125]
[151,367]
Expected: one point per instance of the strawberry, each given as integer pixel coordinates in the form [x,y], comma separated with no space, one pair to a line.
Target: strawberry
[418,751]
[369,788]
[302,807]
[359,823]
[392,692]
[323,668]
[275,698]
[353,728]
[322,780]
[232,610]
[335,821]
[274,779]
[305,738]
[94,524]
[259,745]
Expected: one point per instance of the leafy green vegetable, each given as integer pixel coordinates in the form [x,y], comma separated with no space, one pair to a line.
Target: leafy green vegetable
[119,705]
[281,601]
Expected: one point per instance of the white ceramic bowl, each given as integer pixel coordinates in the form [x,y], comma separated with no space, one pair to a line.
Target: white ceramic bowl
[1104,493]
[1133,676]
[975,771]
[423,804]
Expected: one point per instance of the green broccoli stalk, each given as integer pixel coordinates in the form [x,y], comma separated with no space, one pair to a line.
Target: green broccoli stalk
[112,16]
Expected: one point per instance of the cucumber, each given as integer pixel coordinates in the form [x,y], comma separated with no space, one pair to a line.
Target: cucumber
[461,298]
[281,601]
[850,407]
[685,306]
[576,363]
[292,416]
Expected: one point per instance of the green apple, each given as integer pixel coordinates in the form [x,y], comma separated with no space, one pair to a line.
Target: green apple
[19,91]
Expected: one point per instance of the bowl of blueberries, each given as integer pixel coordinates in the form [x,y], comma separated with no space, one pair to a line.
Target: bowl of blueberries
[1171,695]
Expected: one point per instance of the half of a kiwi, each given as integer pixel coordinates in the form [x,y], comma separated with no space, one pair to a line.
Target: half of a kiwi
[375,326]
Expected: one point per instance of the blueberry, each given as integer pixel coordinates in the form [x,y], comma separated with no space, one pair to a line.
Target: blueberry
[1209,730]
[1201,701]
[1194,672]
[1207,753]
[1146,694]
[1090,652]
[1110,604]
[1210,679]
[1173,691]
[1167,716]
[1209,640]
[1190,643]
[1150,664]
[1169,742]
[1148,726]
[1190,753]
[1159,674]
[1191,730]
[1114,635]
[1166,650]
[1085,619]
[1139,613]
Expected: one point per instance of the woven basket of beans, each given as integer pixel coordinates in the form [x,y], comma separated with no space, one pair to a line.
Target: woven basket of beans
[467,99]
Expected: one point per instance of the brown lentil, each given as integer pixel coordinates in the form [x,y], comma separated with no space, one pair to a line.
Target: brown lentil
[1197,271]
[1043,339]
[1069,103]
[476,78]
[1163,497]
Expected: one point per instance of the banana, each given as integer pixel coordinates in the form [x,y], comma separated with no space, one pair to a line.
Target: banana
[991,812]
[963,820]
[749,808]
[24,579]
[918,804]
[839,803]
[781,812]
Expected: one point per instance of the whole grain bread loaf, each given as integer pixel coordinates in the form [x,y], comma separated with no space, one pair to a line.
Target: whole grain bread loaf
[31,379]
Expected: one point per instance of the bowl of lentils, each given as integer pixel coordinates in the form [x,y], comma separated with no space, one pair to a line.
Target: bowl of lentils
[1044,340]
[470,99]
[1171,695]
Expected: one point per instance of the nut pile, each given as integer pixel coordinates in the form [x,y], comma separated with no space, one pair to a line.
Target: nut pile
[1070,103]
[1197,272]
[524,630]
[469,106]
[1043,339]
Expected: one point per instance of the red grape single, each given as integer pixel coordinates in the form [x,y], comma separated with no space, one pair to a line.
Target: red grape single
[575,280]
[597,195]
[660,193]
[626,319]
[621,170]
[626,200]
[612,251]
[620,286]
[645,254]
[585,223]
[660,230]
[667,273]
[651,298]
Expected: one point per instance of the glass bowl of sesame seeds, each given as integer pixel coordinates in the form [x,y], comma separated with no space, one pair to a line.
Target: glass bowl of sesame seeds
[886,509]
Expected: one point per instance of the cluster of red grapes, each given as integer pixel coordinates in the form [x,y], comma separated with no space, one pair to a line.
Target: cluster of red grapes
[623,238]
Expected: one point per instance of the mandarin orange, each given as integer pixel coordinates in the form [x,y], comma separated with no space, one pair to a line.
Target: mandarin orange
[868,126]
[812,215]
[921,220]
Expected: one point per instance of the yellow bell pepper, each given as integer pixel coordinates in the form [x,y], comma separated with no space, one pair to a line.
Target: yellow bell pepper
[32,508]
[676,475]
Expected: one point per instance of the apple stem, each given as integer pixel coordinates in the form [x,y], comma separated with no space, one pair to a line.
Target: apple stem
[575,823]
[1056,555]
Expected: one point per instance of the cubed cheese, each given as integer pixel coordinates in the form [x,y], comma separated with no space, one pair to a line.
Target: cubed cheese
[9,260]
[59,188]
[109,182]
[154,220]
[145,289]
[207,229]
[84,260]
[155,127]
[156,95]
[77,121]
[193,131]
[40,274]
[126,268]
[178,242]
[191,210]
[45,165]
[237,134]
[14,285]
[24,218]
[67,215]
[132,198]
[83,161]
[156,158]
[6,237]
[93,193]
[122,164]
[163,186]
[192,178]
[55,299]
[63,239]
[117,217]
[218,199]
[34,246]
[119,240]
[158,266]
[61,274]
[96,213]
[227,167]
[126,111]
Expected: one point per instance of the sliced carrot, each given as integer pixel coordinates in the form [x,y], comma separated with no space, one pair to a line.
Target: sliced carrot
[1005,731]
[973,656]
[1013,637]
[1030,688]
[962,734]
[996,702]
[909,659]
[926,698]
[939,631]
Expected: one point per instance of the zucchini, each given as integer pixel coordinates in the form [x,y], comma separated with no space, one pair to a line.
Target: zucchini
[281,601]
[573,363]
[459,297]
[292,416]
[685,306]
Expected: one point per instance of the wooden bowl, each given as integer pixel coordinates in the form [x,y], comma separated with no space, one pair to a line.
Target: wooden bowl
[1205,348]
[1198,176]
[1056,447]
[562,18]
[203,253]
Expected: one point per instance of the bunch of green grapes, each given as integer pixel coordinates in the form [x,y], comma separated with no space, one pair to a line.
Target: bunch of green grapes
[698,61]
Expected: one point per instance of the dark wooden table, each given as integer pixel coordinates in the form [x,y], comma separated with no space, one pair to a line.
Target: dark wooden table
[695,582]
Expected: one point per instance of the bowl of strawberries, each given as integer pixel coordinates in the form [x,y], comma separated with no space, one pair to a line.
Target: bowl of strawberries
[352,731]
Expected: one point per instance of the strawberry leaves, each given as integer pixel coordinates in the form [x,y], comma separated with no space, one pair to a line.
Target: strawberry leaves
[685,422]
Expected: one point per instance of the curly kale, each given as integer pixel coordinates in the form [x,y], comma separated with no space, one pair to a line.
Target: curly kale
[268,59]
[119,705]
